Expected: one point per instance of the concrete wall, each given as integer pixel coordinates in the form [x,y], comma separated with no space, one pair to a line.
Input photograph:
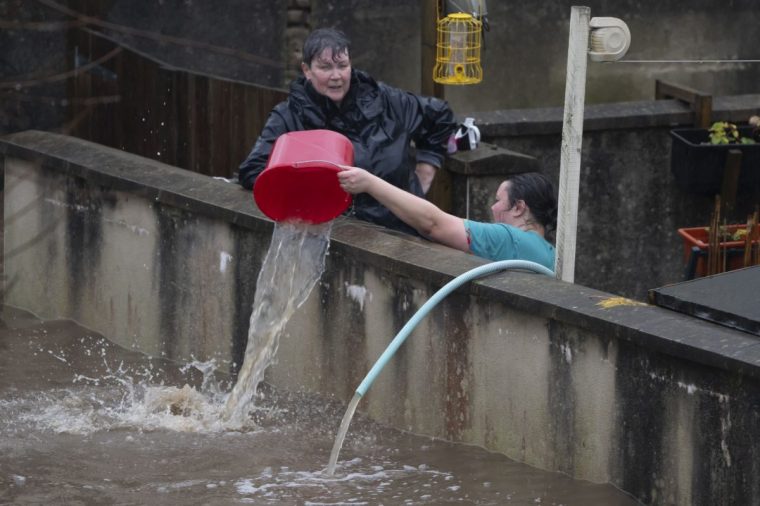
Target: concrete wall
[162,260]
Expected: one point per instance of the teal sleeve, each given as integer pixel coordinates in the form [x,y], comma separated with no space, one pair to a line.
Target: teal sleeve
[499,241]
[491,240]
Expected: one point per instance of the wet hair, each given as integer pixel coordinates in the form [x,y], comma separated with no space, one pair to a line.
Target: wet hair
[537,191]
[324,38]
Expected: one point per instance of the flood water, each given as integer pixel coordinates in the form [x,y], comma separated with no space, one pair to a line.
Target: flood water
[87,422]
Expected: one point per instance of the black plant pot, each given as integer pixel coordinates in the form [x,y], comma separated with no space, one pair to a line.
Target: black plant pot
[698,167]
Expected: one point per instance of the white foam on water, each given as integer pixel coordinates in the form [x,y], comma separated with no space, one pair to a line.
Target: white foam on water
[179,485]
[365,479]
[350,502]
[128,399]
[69,415]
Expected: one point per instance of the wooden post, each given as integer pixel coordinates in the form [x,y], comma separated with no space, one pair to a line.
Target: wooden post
[731,172]
[701,103]
[429,18]
[440,190]
[572,139]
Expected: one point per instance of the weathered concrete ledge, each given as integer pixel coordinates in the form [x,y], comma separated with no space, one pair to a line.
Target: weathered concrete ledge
[612,116]
[663,405]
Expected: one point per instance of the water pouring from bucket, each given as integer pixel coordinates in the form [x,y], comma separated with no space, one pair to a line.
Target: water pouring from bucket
[300,191]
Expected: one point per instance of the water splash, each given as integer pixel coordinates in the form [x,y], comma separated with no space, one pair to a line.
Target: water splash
[292,266]
[131,399]
[139,399]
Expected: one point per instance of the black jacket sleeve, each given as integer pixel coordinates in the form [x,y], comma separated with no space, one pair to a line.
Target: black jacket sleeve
[437,125]
[430,121]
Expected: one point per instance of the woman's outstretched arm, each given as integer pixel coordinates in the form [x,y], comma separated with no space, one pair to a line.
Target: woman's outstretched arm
[418,213]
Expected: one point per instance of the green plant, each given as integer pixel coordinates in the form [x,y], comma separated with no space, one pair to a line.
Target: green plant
[729,234]
[723,132]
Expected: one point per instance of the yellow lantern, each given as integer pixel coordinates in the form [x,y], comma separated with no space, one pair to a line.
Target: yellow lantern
[457,59]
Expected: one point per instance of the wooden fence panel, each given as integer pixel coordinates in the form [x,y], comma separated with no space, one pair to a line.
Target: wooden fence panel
[193,121]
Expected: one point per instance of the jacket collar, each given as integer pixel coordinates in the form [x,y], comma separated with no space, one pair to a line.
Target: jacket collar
[363,97]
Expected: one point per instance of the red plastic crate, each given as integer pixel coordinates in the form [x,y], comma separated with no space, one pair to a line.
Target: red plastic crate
[699,237]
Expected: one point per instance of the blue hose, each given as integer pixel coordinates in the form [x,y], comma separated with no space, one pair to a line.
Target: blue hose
[434,300]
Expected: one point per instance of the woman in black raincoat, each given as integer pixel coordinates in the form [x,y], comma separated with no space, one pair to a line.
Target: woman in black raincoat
[380,121]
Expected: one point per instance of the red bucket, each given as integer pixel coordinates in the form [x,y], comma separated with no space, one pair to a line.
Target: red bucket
[300,180]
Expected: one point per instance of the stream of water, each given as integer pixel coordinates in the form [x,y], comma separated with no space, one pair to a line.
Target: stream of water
[292,266]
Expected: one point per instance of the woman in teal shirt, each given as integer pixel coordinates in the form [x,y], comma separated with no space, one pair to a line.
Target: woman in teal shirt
[524,212]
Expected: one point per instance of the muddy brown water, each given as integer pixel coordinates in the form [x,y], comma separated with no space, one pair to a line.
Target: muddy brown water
[86,422]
